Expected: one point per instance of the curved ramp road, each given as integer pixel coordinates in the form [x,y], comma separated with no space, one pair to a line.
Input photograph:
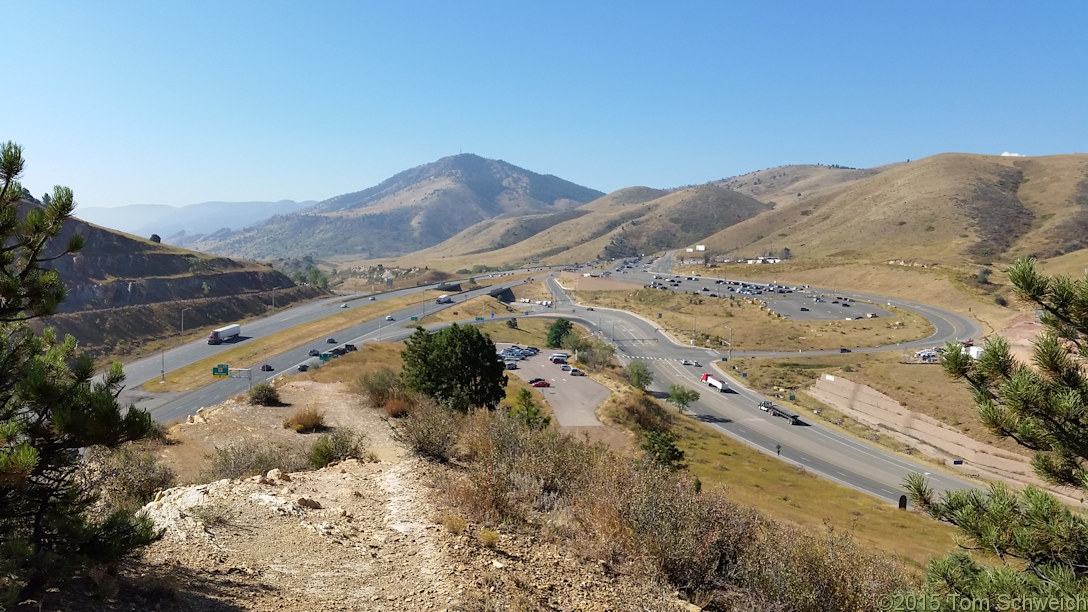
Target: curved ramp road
[819,449]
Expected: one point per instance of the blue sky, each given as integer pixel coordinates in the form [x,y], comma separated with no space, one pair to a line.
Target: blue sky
[185,102]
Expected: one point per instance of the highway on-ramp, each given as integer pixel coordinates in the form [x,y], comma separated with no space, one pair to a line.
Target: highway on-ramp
[811,445]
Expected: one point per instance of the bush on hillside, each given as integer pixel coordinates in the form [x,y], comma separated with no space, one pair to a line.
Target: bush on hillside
[250,458]
[343,443]
[380,386]
[428,430]
[305,420]
[125,478]
[264,394]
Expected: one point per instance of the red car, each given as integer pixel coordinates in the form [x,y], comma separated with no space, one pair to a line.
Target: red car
[542,383]
[559,360]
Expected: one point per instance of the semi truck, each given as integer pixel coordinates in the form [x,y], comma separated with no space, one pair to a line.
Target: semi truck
[775,410]
[721,386]
[221,335]
[444,299]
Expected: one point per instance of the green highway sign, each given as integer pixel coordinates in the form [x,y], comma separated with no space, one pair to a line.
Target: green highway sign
[415,318]
[221,371]
[479,318]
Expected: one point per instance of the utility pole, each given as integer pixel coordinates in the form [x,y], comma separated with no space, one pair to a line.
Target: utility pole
[163,370]
[183,321]
[274,296]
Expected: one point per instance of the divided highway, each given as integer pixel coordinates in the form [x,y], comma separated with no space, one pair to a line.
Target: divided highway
[813,446]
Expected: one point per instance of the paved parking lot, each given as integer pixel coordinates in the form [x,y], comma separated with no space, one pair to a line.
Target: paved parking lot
[573,399]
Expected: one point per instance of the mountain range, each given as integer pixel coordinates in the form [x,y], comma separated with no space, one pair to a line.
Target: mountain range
[951,209]
[175,223]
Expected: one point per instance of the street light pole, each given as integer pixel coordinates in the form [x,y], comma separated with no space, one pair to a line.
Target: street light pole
[163,370]
[274,296]
[183,321]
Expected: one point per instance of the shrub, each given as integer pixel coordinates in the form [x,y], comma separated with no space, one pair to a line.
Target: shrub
[380,386]
[305,420]
[645,412]
[660,447]
[453,523]
[343,443]
[512,323]
[126,478]
[397,407]
[1001,301]
[250,458]
[263,394]
[428,430]
[488,538]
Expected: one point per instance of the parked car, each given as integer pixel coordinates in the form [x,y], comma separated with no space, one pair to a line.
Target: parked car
[542,383]
[576,372]
[266,368]
[314,353]
[564,367]
[535,380]
[558,360]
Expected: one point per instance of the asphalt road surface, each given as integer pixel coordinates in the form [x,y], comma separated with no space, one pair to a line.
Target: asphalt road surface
[819,449]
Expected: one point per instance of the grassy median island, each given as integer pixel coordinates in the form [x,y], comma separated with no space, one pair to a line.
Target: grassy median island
[754,326]
[249,353]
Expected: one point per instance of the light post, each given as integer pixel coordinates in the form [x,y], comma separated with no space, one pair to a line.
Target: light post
[183,322]
[163,370]
[730,355]
[274,296]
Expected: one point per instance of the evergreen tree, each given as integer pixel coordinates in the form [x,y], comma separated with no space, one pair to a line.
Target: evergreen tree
[1043,407]
[457,365]
[557,332]
[50,409]
[639,374]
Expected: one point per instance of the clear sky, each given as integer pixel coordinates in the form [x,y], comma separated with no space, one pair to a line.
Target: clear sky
[177,102]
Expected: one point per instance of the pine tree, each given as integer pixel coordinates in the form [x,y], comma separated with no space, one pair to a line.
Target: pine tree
[1043,407]
[51,408]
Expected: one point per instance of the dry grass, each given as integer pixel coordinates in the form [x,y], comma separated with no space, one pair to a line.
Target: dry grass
[754,327]
[305,420]
[786,493]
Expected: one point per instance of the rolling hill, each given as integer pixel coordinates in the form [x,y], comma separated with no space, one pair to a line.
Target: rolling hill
[412,210]
[952,210]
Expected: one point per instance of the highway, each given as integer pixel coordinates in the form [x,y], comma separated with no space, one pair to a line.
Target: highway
[811,445]
[175,406]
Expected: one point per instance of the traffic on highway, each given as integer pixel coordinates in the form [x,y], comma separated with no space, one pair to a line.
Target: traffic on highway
[735,411]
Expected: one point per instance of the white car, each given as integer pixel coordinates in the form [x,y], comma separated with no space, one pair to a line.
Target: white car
[388,317]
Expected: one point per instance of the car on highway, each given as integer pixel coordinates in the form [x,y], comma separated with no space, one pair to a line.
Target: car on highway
[803,309]
[350,347]
[343,305]
[302,367]
[266,368]
[844,350]
[330,340]
[542,383]
[372,298]
[388,317]
[686,362]
[314,353]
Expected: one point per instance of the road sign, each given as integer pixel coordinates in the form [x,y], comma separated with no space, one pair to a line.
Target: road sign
[415,318]
[659,315]
[492,315]
[221,371]
[479,318]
